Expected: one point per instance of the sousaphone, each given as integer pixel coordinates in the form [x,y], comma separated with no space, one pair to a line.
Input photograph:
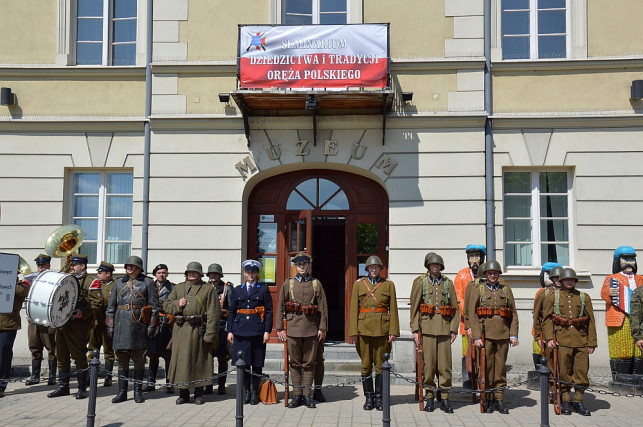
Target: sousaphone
[64,242]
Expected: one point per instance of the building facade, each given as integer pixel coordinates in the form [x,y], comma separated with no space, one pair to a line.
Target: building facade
[171,159]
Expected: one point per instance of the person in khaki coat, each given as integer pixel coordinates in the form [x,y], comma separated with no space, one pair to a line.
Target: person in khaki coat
[373,326]
[434,320]
[570,326]
[303,302]
[101,289]
[492,306]
[195,306]
[9,325]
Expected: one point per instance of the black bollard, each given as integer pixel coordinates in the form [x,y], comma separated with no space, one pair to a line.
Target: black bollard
[93,388]
[544,393]
[241,367]
[386,391]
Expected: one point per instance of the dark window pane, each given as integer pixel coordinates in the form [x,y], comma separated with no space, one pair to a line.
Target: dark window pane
[517,206]
[553,206]
[89,53]
[332,5]
[90,29]
[555,253]
[552,47]
[367,238]
[517,182]
[554,230]
[297,20]
[515,4]
[549,4]
[86,183]
[125,30]
[120,183]
[90,7]
[124,8]
[124,54]
[517,230]
[299,6]
[515,23]
[553,182]
[515,48]
[551,22]
[332,18]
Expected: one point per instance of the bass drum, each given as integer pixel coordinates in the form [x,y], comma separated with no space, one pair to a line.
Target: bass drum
[52,298]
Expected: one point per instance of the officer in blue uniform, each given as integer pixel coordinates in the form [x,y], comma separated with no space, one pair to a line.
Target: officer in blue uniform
[249,325]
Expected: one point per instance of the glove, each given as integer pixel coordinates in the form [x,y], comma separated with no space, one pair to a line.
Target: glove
[109,322]
[151,328]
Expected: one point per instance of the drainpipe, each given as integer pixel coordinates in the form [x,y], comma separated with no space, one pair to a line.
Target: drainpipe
[147,138]
[488,136]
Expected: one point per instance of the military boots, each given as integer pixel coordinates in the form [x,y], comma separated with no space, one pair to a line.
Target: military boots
[82,385]
[53,365]
[109,367]
[63,385]
[367,383]
[122,386]
[35,372]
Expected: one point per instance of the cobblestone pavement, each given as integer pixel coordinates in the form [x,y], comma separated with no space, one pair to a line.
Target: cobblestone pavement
[25,405]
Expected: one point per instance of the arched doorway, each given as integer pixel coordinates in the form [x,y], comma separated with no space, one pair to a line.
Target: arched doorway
[339,218]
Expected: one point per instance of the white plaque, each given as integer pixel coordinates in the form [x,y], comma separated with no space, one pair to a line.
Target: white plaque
[8,275]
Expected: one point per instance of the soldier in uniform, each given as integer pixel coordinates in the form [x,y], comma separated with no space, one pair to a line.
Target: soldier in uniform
[548,283]
[303,302]
[222,353]
[434,311]
[475,257]
[249,326]
[100,290]
[159,343]
[625,356]
[197,312]
[72,339]
[132,318]
[569,325]
[319,370]
[9,325]
[492,306]
[373,326]
[40,337]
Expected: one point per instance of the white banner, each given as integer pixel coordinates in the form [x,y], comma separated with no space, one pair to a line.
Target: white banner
[8,277]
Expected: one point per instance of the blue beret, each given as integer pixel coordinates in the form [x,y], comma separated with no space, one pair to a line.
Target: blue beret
[624,250]
[549,265]
[476,248]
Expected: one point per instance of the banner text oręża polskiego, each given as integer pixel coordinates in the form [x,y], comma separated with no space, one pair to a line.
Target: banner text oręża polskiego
[314,56]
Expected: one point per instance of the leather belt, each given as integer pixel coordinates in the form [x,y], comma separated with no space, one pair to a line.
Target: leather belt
[128,307]
[248,311]
[374,310]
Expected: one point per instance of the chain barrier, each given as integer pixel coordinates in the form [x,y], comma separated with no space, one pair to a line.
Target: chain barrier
[599,391]
[283,383]
[25,379]
[489,390]
[169,385]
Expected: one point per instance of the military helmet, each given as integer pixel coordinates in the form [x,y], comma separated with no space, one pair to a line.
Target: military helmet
[433,258]
[135,261]
[555,272]
[482,269]
[374,260]
[194,266]
[493,265]
[567,273]
[215,268]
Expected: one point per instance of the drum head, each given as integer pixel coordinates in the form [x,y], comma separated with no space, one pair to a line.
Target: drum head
[63,301]
[52,298]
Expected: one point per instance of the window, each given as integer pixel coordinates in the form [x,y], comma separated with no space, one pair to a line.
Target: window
[536,218]
[106,32]
[317,193]
[102,206]
[535,29]
[307,12]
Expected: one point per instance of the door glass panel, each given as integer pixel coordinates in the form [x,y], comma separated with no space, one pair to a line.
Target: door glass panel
[367,238]
[308,189]
[338,202]
[361,266]
[297,203]
[267,237]
[297,236]
[326,190]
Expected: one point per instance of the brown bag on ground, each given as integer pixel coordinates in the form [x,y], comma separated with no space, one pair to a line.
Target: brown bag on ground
[268,392]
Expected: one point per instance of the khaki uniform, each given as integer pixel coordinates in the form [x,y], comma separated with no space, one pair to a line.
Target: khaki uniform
[373,327]
[302,328]
[573,357]
[497,330]
[39,337]
[436,329]
[72,339]
[99,300]
[538,319]
[9,325]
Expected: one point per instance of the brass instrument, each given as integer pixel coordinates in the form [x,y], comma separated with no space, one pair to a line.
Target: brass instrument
[23,267]
[64,242]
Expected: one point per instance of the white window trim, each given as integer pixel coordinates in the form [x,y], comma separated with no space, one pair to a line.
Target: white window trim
[354,13]
[536,241]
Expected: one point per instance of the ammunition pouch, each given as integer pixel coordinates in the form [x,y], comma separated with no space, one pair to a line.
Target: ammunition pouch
[310,310]
[505,312]
[560,320]
[292,307]
[427,309]
[484,311]
[447,311]
[179,320]
[579,322]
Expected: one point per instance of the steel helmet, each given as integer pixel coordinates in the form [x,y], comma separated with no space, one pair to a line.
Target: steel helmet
[433,258]
[215,268]
[568,273]
[493,265]
[194,266]
[374,260]
[135,260]
[555,272]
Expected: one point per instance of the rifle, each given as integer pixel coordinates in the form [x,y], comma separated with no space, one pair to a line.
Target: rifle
[286,373]
[482,375]
[470,364]
[419,367]
[556,373]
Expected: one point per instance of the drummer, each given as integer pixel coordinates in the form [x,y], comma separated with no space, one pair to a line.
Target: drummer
[72,338]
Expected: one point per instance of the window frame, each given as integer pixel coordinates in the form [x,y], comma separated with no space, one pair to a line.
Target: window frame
[101,240]
[536,217]
[350,12]
[107,44]
[534,35]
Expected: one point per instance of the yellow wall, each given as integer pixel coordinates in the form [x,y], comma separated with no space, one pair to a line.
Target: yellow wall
[28,31]
[575,90]
[614,27]
[418,27]
[202,93]
[80,97]
[212,30]
[424,84]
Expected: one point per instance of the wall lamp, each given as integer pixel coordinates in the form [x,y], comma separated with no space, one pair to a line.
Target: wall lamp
[6,97]
[637,89]
[224,97]
[311,103]
[407,96]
